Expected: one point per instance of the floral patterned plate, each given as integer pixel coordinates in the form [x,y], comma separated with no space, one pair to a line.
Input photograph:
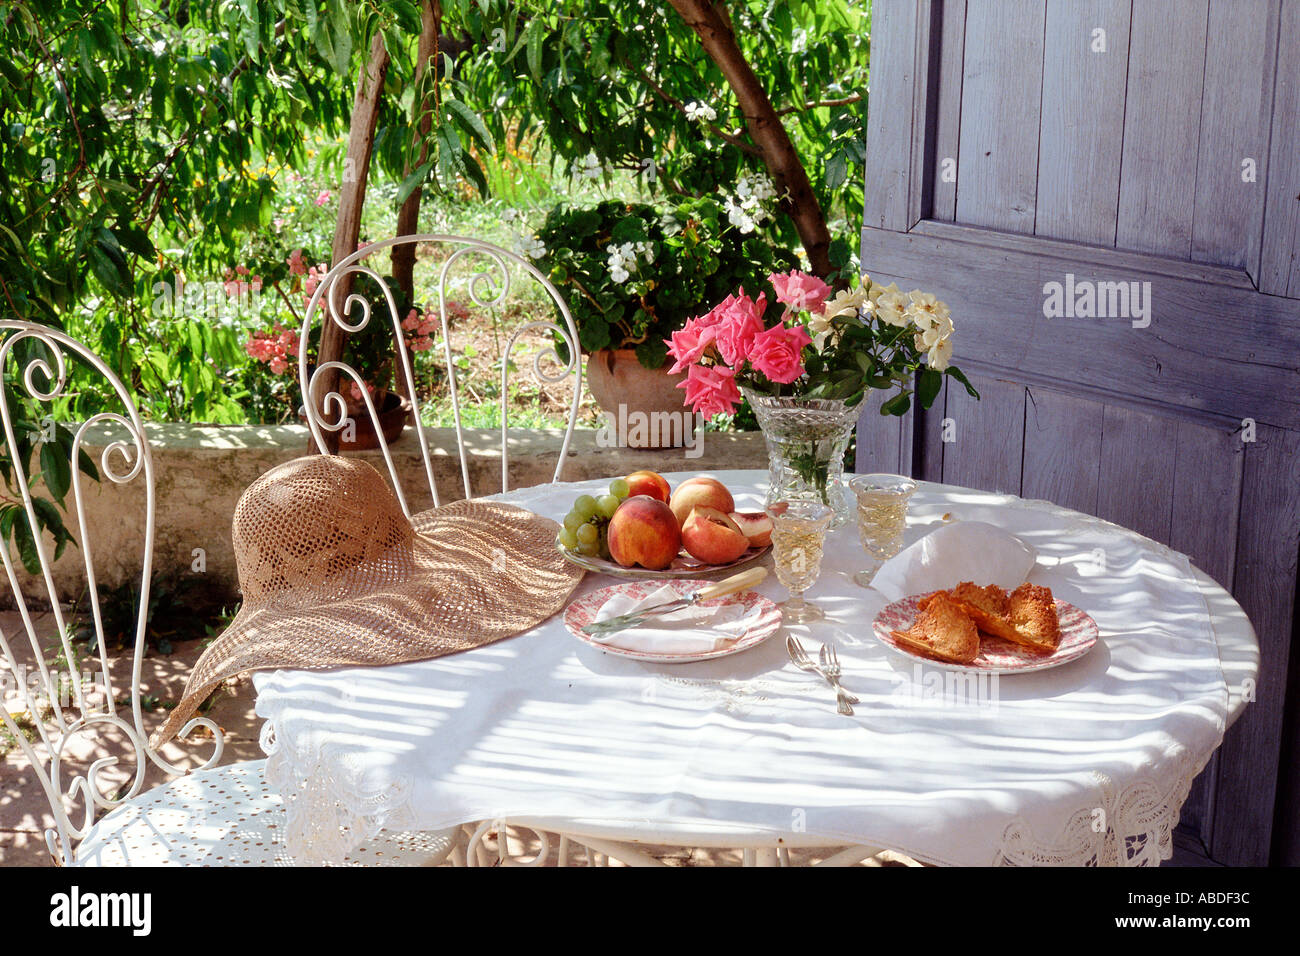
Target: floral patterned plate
[583,611]
[1078,635]
[683,566]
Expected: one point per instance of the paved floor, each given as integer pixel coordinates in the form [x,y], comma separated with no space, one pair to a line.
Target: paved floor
[24,814]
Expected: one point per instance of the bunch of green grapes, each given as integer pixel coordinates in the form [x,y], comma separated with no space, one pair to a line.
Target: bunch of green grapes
[586,525]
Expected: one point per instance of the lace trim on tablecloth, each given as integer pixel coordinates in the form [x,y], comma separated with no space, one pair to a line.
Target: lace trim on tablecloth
[1129,827]
[330,809]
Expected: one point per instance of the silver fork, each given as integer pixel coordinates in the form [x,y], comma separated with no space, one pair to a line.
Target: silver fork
[831,665]
[806,663]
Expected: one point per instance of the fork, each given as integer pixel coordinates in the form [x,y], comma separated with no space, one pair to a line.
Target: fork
[830,662]
[805,663]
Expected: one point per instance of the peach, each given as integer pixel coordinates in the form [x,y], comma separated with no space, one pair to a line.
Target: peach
[703,492]
[648,483]
[754,525]
[644,531]
[711,536]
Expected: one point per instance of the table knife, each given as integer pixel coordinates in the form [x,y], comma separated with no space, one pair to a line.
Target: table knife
[737,582]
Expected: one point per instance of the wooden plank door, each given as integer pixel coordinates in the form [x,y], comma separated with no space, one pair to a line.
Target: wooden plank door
[1107,194]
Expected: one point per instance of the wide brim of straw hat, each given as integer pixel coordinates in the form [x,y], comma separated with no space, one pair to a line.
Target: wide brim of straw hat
[477,572]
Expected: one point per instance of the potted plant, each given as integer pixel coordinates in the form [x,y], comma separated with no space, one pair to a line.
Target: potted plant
[804,359]
[372,351]
[631,273]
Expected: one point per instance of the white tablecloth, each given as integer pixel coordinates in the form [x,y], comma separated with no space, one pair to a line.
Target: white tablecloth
[1089,762]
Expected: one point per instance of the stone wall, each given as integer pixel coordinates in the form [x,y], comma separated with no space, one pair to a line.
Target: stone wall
[200,472]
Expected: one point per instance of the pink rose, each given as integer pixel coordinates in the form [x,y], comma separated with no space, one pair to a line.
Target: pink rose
[689,344]
[777,353]
[715,315]
[711,389]
[740,324]
[799,290]
[296,266]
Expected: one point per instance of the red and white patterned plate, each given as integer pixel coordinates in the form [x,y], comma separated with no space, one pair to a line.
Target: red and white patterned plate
[1078,635]
[583,611]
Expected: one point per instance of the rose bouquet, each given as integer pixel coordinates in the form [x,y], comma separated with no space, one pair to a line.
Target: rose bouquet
[805,359]
[812,343]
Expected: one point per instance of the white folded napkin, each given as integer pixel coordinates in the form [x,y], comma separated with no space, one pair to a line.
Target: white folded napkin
[962,551]
[692,630]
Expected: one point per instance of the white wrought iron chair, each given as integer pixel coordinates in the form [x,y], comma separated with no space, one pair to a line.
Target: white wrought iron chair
[487,279]
[102,815]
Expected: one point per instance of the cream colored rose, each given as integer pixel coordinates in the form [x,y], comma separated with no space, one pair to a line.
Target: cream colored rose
[936,329]
[939,355]
[844,302]
[891,308]
[879,290]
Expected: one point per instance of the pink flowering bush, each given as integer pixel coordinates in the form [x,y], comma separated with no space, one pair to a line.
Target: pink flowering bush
[811,341]
[277,348]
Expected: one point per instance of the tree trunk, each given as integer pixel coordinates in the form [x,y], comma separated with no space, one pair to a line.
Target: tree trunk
[408,216]
[713,25]
[352,199]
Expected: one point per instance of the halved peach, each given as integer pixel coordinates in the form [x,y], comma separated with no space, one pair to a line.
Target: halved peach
[712,537]
[754,525]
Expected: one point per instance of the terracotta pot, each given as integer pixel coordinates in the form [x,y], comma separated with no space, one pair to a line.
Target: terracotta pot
[393,411]
[644,406]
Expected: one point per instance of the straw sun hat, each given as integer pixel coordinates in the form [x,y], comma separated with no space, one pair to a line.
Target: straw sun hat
[333,574]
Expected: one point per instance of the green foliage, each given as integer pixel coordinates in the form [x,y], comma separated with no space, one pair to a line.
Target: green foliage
[629,84]
[632,273]
[148,148]
[42,450]
[142,147]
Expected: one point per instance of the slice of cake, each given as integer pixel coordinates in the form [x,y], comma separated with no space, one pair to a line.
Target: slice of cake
[943,631]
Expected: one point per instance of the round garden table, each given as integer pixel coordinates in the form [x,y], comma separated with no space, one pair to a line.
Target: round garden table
[1086,763]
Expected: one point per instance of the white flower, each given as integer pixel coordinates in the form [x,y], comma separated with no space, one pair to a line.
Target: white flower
[530,247]
[844,302]
[509,215]
[622,260]
[757,189]
[939,354]
[878,290]
[589,167]
[820,327]
[891,308]
[739,216]
[697,111]
[934,331]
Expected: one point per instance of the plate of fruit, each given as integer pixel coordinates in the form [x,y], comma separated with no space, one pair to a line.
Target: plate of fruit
[642,528]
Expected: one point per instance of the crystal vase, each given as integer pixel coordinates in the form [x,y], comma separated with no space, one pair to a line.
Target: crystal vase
[806,439]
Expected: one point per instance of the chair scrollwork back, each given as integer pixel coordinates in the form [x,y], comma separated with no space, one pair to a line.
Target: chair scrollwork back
[486,271]
[52,716]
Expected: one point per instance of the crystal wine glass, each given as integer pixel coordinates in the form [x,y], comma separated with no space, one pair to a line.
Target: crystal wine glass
[798,535]
[882,516]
